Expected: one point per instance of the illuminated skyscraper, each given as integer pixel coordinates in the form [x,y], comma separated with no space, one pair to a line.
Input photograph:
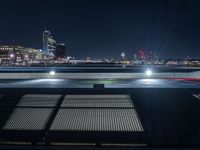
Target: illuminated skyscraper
[49,44]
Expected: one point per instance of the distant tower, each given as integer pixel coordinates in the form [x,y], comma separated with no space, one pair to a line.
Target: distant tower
[123,55]
[45,41]
[60,51]
[49,43]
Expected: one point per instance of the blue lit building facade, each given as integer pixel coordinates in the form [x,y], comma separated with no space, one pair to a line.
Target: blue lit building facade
[49,44]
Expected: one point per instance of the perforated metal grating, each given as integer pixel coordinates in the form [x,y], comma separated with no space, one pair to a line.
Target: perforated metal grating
[97,120]
[97,101]
[27,119]
[36,100]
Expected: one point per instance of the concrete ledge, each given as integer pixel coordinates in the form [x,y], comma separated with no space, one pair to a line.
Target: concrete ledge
[97,75]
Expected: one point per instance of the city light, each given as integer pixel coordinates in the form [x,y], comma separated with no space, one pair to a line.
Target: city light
[52,73]
[12,55]
[148,73]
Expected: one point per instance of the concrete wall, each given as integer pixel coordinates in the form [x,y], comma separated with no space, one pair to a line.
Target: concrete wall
[97,75]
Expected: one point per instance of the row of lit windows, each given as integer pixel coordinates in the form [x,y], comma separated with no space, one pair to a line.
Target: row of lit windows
[19,49]
[4,58]
[6,48]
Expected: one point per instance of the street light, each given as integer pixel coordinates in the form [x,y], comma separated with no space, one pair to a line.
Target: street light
[12,55]
[148,73]
[11,61]
[52,73]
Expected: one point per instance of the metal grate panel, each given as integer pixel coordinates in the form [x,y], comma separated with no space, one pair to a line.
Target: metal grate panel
[37,100]
[97,120]
[27,119]
[97,101]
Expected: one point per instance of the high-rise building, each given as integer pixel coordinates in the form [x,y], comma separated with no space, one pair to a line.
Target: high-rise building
[49,44]
[60,51]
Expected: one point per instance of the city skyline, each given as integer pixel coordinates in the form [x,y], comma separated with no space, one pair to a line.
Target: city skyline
[103,29]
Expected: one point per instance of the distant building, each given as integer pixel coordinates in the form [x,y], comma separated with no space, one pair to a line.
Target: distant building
[49,44]
[60,51]
[123,55]
[18,54]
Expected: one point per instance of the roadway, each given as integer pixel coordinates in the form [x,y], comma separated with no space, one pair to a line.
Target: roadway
[108,83]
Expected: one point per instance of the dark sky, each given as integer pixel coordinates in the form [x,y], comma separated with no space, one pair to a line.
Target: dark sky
[105,28]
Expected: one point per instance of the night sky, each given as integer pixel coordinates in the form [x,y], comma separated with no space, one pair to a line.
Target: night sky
[105,28]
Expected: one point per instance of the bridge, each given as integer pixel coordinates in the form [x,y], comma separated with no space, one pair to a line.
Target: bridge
[99,107]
